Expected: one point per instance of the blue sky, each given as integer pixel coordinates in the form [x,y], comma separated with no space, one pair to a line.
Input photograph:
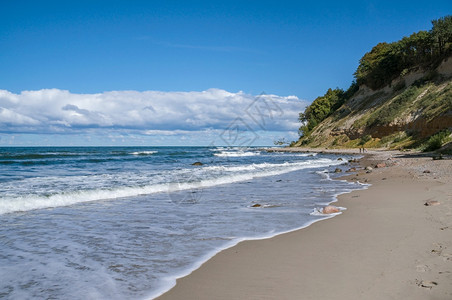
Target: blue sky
[282,48]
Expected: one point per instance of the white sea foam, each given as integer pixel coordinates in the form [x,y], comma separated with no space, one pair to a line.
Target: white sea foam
[170,281]
[144,152]
[118,249]
[31,202]
[237,154]
[324,174]
[273,166]
[305,154]
[318,211]
[177,182]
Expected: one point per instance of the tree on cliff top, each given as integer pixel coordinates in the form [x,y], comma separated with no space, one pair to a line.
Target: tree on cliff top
[386,62]
[442,33]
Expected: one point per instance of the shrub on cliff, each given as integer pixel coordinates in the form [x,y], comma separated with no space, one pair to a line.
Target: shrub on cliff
[437,140]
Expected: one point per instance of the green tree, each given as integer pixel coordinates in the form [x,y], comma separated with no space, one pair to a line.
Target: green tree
[320,109]
[442,33]
[421,44]
[375,67]
[387,61]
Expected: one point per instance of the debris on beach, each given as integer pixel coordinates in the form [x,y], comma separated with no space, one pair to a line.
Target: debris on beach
[439,249]
[330,209]
[432,203]
[427,284]
[380,165]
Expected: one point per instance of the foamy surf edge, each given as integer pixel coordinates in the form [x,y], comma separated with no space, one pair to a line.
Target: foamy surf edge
[237,154]
[34,202]
[171,281]
[318,211]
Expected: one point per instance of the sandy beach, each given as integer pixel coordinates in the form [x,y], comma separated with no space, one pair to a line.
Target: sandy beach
[388,244]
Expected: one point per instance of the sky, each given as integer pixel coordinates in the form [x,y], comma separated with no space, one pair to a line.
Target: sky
[157,73]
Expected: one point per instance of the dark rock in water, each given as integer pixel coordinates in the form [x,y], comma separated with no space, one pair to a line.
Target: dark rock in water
[337,170]
[353,160]
[256,205]
[198,163]
[339,158]
[279,180]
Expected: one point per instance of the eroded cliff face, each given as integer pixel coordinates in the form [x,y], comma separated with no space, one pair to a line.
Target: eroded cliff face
[422,127]
[416,105]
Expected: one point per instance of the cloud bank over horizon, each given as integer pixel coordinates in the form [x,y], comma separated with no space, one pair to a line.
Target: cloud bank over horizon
[147,113]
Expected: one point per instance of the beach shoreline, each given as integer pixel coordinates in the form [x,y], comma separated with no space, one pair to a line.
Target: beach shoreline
[386,245]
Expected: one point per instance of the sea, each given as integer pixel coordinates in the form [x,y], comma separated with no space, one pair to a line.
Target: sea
[126,222]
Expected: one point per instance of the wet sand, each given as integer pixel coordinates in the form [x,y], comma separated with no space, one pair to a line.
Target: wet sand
[387,245]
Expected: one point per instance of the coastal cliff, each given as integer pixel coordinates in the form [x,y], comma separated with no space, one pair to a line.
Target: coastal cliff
[399,99]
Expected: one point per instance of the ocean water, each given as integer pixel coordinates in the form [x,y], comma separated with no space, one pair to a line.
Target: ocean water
[125,222]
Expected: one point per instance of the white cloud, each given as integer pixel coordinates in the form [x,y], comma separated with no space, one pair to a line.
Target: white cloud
[148,112]
[8,116]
